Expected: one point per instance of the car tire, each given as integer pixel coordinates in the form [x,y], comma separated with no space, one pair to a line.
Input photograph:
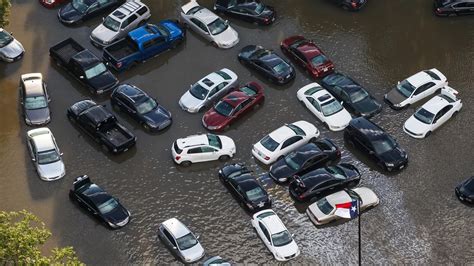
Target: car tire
[185,163]
[115,107]
[224,158]
[455,114]
[146,127]
[312,140]
[427,134]
[214,44]
[226,127]
[280,158]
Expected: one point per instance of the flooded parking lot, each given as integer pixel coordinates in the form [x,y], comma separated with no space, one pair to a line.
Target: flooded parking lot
[419,219]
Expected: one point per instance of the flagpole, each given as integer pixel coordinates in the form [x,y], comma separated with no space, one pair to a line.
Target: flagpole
[360,239]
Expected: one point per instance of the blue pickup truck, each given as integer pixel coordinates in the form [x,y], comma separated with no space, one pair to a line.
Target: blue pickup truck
[142,43]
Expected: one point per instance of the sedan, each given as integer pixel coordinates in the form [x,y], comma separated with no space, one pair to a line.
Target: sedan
[323,211]
[433,114]
[355,98]
[141,107]
[45,154]
[10,49]
[283,140]
[208,90]
[245,188]
[79,10]
[51,3]
[99,203]
[233,106]
[324,106]
[309,157]
[249,10]
[207,24]
[465,190]
[352,5]
[453,7]
[266,62]
[324,180]
[306,54]
[34,100]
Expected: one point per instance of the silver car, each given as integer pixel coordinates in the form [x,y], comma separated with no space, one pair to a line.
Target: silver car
[208,25]
[10,49]
[45,154]
[208,90]
[180,240]
[34,100]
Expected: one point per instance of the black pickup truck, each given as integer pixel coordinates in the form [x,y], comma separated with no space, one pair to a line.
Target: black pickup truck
[101,125]
[83,65]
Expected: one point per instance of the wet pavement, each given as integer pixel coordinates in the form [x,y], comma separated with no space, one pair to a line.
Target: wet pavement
[419,220]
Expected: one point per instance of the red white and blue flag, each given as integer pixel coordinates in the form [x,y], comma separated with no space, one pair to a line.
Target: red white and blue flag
[348,210]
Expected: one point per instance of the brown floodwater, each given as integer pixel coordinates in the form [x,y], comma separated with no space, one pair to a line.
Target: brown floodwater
[419,220]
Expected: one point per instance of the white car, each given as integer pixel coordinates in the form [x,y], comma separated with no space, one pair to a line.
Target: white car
[208,25]
[433,114]
[45,154]
[323,211]
[274,234]
[415,88]
[120,22]
[324,106]
[208,90]
[283,140]
[10,49]
[202,148]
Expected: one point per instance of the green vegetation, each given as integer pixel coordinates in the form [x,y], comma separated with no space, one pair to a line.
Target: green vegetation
[4,12]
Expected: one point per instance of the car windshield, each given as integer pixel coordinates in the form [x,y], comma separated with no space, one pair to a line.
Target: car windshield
[294,161]
[187,241]
[146,106]
[405,88]
[470,185]
[259,8]
[5,38]
[269,143]
[163,31]
[281,239]
[324,206]
[198,91]
[111,24]
[384,145]
[35,102]
[318,60]
[217,26]
[358,95]
[337,172]
[282,67]
[247,90]
[80,6]
[331,107]
[296,129]
[424,116]
[108,206]
[46,157]
[214,141]
[255,193]
[95,71]
[223,108]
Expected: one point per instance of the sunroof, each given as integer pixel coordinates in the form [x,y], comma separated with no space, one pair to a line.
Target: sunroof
[118,14]
[207,82]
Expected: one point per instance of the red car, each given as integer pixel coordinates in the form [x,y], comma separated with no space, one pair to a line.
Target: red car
[51,3]
[233,106]
[307,55]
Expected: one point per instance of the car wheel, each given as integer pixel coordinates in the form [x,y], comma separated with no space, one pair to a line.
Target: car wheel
[115,107]
[214,44]
[142,23]
[455,114]
[427,134]
[186,163]
[224,158]
[256,106]
[312,140]
[281,158]
[146,126]
[226,127]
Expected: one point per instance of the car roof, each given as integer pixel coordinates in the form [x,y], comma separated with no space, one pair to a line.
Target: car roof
[282,133]
[43,142]
[273,223]
[98,114]
[132,92]
[308,49]
[176,227]
[308,150]
[125,10]
[419,79]
[271,59]
[435,104]
[33,84]
[86,58]
[193,141]
[235,98]
[206,15]
[367,127]
[316,177]
[211,80]
[321,96]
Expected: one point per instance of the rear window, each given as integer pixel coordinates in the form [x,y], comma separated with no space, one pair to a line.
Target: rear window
[194,10]
[176,148]
[324,206]
[142,10]
[214,141]
[269,143]
[432,74]
[223,75]
[313,90]
[264,215]
[296,129]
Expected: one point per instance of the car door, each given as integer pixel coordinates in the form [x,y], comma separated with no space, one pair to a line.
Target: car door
[132,22]
[313,163]
[209,153]
[32,150]
[299,57]
[170,241]
[324,187]
[242,108]
[22,98]
[265,235]
[441,117]
[221,90]
[263,69]
[291,144]
[129,108]
[315,108]
[423,91]
[201,28]
[461,8]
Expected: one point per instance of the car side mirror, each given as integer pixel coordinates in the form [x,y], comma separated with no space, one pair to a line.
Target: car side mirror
[342,102]
[398,82]
[174,247]
[33,159]
[61,154]
[292,235]
[227,22]
[11,33]
[81,77]
[197,237]
[103,18]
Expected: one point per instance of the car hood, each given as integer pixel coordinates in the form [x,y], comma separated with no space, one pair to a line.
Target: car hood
[13,49]
[52,170]
[68,13]
[416,126]
[227,37]
[339,119]
[395,97]
[287,250]
[268,12]
[366,107]
[281,170]
[393,156]
[157,116]
[214,119]
[37,116]
[103,33]
[192,254]
[103,81]
[189,101]
[117,215]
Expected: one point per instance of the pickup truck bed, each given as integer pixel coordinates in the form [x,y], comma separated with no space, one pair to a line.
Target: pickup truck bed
[122,49]
[117,136]
[66,49]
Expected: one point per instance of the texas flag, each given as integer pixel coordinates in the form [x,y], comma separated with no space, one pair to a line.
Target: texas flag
[347,210]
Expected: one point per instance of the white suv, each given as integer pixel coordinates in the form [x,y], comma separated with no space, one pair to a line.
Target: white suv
[120,22]
[202,148]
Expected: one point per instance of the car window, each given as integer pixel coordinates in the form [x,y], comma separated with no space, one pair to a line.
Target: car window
[198,23]
[194,150]
[460,5]
[213,91]
[142,11]
[170,238]
[337,90]
[242,105]
[314,103]
[208,149]
[265,231]
[129,21]
[424,88]
[291,141]
[222,85]
[299,55]
[442,112]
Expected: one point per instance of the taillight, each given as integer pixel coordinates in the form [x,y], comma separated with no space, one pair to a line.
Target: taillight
[119,64]
[267,158]
[354,4]
[438,10]
[177,158]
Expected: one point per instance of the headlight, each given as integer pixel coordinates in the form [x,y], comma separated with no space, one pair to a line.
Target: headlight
[282,179]
[115,149]
[212,127]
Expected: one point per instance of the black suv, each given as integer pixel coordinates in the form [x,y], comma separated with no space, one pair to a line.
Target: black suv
[454,7]
[141,107]
[374,141]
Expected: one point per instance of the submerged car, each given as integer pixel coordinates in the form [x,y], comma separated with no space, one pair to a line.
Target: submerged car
[34,99]
[99,203]
[267,63]
[52,3]
[415,88]
[80,10]
[306,54]
[45,154]
[249,10]
[453,7]
[180,240]
[207,24]
[10,49]
[433,114]
[233,106]
[202,148]
[352,5]
[465,190]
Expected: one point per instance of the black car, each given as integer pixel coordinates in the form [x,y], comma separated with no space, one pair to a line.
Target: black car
[375,142]
[453,7]
[99,203]
[245,188]
[352,5]
[267,63]
[465,190]
[249,10]
[323,181]
[80,10]
[354,98]
[305,159]
[141,107]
